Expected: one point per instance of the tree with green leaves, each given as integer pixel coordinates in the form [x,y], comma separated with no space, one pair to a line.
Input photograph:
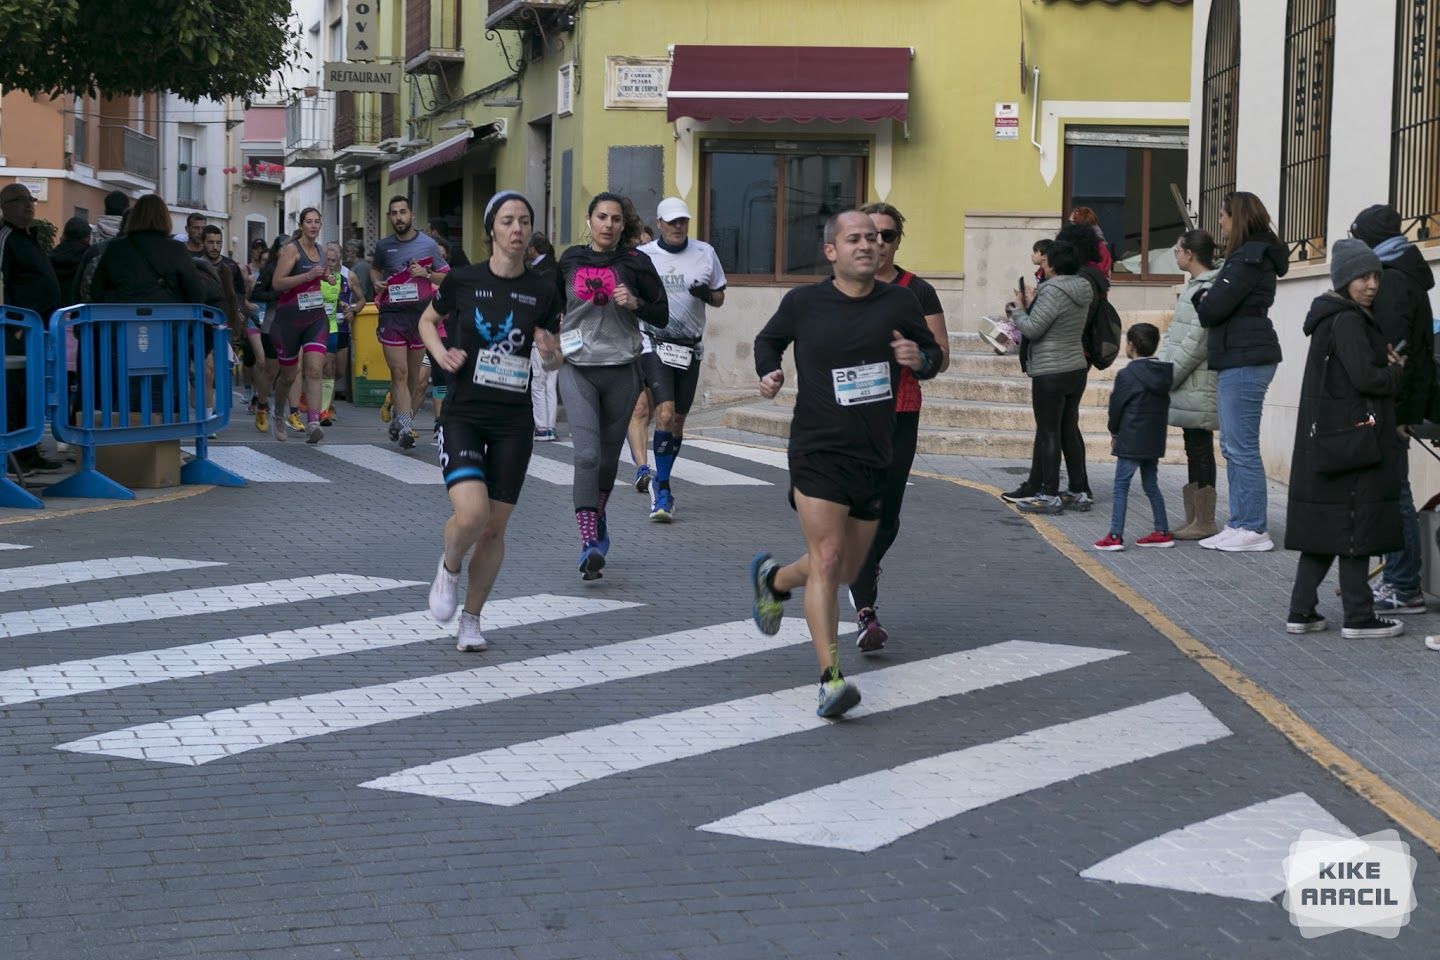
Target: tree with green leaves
[193,48]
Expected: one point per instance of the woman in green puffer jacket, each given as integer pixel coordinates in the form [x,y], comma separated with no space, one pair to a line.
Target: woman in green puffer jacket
[1192,392]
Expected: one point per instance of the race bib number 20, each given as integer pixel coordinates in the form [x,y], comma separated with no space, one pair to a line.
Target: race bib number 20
[867,383]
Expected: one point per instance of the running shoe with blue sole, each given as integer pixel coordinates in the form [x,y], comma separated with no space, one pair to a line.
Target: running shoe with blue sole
[592,561]
[769,607]
[642,479]
[602,535]
[837,696]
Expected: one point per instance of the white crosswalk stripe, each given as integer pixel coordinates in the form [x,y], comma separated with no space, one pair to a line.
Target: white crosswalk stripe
[183,603]
[73,677]
[257,467]
[768,456]
[550,471]
[392,464]
[700,474]
[868,812]
[511,775]
[85,571]
[14,546]
[213,736]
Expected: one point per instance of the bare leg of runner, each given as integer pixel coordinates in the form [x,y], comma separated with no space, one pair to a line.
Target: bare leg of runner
[638,435]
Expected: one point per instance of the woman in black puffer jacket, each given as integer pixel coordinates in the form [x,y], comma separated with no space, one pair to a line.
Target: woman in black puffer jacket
[1351,377]
[1244,351]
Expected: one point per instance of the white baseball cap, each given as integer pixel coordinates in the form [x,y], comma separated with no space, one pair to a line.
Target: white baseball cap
[672,209]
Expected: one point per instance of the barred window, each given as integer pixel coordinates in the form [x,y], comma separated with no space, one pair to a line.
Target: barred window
[1415,142]
[1305,158]
[1221,109]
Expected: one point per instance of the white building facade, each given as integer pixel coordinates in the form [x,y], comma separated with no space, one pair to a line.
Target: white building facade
[1321,108]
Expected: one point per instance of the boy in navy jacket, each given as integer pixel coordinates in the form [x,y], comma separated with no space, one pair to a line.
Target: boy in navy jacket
[1139,414]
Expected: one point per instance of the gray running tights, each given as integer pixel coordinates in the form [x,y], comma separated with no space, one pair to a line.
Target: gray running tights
[598,404]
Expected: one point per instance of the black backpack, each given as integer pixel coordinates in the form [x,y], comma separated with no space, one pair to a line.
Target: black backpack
[1103,329]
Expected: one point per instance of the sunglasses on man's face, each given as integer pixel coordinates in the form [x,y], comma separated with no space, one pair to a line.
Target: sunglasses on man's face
[888,236]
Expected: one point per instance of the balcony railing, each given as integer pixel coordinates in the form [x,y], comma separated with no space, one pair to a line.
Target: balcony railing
[517,14]
[432,34]
[310,130]
[128,151]
[357,120]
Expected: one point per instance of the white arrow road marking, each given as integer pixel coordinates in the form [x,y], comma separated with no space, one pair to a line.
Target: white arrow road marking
[13,546]
[1240,854]
[222,733]
[394,465]
[286,646]
[511,775]
[184,603]
[84,571]
[257,467]
[865,813]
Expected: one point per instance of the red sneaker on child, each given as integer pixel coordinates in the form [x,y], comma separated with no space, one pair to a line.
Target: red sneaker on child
[1111,542]
[1156,539]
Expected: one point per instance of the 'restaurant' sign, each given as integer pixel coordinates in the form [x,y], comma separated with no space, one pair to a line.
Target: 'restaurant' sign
[363,77]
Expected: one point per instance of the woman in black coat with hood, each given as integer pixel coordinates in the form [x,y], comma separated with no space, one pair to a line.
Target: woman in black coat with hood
[1352,375]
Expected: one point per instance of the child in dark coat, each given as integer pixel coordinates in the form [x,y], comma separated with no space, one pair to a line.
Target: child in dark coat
[1139,415]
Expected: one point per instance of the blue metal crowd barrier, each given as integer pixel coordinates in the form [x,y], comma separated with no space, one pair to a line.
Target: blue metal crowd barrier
[139,377]
[24,335]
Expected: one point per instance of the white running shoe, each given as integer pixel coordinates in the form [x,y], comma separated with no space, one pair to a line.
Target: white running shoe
[1213,543]
[1433,643]
[1246,541]
[470,636]
[444,593]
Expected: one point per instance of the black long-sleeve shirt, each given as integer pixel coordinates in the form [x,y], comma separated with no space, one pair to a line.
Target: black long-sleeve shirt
[836,337]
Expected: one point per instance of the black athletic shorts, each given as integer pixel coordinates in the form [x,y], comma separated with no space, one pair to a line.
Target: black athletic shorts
[471,452]
[291,340]
[670,384]
[839,479]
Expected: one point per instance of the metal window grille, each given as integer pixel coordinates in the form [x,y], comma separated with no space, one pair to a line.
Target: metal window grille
[1305,159]
[1415,141]
[1222,108]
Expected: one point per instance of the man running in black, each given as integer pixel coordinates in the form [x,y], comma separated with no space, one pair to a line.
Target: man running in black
[851,335]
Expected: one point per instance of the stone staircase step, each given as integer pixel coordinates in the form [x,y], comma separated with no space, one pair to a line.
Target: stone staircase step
[773,420]
[1015,389]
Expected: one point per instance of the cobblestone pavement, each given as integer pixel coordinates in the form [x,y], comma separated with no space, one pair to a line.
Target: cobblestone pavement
[229,730]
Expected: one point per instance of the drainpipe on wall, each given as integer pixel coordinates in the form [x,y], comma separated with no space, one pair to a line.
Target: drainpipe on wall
[1035,106]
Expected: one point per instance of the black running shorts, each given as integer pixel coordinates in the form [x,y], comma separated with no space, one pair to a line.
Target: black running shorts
[470,452]
[670,384]
[839,479]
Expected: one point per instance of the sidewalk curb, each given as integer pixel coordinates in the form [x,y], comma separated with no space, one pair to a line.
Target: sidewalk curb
[1355,775]
[182,494]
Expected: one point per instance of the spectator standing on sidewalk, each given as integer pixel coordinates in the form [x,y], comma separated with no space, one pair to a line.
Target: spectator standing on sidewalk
[69,253]
[1344,501]
[30,283]
[1085,217]
[1052,319]
[1402,308]
[1244,351]
[1139,405]
[1192,393]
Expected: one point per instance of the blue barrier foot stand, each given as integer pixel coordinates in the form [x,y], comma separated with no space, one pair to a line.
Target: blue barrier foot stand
[14,495]
[90,483]
[207,471]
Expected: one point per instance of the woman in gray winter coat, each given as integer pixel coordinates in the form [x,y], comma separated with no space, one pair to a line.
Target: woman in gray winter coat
[1053,322]
[1192,393]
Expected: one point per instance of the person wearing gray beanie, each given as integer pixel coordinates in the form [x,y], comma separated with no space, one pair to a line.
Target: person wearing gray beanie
[1344,493]
[1350,260]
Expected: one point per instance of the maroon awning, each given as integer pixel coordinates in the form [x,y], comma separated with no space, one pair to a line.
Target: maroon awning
[789,83]
[443,152]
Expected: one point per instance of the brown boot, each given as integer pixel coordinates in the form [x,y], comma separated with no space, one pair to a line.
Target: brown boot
[1204,525]
[1188,491]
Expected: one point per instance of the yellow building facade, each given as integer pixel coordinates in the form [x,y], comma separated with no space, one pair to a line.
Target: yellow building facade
[1007,115]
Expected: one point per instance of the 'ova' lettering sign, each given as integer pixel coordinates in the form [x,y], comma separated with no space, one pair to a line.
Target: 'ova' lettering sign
[360,31]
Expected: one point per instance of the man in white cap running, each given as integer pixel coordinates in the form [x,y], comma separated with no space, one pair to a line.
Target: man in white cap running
[670,362]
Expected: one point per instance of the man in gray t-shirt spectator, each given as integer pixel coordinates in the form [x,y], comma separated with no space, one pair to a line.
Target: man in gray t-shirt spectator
[405,269]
